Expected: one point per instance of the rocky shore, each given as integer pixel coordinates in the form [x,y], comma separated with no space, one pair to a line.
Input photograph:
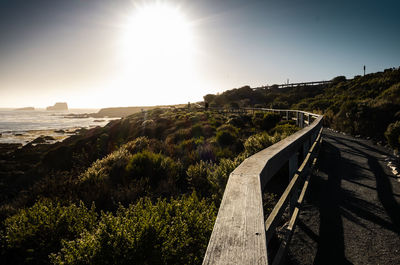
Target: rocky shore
[37,136]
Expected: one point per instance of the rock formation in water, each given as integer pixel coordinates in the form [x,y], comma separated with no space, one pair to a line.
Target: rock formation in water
[58,106]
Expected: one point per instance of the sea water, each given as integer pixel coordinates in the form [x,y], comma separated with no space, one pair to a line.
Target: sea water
[22,126]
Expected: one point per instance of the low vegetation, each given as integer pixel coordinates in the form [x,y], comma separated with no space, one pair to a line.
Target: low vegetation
[368,105]
[144,189]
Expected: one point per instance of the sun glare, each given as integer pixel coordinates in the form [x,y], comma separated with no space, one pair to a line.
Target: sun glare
[158,51]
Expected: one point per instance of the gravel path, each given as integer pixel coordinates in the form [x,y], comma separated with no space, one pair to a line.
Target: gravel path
[352,212]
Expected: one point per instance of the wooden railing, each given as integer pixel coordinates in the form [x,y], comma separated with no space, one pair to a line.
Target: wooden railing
[314,83]
[241,234]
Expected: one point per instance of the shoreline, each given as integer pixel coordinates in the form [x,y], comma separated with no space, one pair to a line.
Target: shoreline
[48,136]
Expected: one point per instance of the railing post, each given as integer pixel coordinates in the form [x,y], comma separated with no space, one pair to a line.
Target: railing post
[301,124]
[240,233]
[306,147]
[314,136]
[293,166]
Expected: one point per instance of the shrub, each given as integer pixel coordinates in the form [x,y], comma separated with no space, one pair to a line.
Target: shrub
[218,176]
[102,144]
[100,180]
[392,94]
[269,202]
[190,145]
[174,232]
[197,131]
[182,134]
[32,234]
[338,79]
[137,145]
[258,142]
[228,128]
[152,167]
[225,138]
[197,177]
[392,134]
[233,105]
[208,130]
[107,168]
[280,104]
[285,130]
[266,121]
[236,121]
[206,152]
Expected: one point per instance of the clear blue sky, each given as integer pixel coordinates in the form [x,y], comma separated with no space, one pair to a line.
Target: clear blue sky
[55,50]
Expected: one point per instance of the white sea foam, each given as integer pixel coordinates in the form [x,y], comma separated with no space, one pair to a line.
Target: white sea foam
[24,126]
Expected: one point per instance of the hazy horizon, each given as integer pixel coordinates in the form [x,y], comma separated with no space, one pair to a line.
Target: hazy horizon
[96,54]
[83,108]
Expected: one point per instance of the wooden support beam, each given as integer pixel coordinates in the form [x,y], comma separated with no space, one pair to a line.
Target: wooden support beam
[239,235]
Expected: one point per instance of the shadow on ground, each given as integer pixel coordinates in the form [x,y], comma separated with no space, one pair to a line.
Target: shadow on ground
[321,237]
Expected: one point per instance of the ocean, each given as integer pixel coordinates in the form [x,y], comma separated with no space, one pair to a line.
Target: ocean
[22,126]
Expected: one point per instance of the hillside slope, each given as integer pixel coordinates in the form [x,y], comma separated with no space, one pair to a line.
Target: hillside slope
[366,105]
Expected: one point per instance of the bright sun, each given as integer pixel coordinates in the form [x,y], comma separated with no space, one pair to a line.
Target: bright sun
[158,51]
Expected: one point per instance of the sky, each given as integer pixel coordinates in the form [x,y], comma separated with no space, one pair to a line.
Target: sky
[102,53]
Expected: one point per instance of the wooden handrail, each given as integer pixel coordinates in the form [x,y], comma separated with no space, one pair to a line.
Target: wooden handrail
[311,157]
[239,235]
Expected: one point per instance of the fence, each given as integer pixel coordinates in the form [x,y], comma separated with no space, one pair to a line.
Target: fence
[240,234]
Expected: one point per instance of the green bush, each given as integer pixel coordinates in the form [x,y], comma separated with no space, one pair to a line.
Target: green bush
[182,134]
[392,134]
[266,121]
[157,154]
[218,175]
[137,145]
[154,168]
[174,232]
[206,152]
[269,202]
[197,131]
[32,234]
[107,168]
[258,142]
[237,121]
[197,177]
[392,94]
[285,130]
[225,138]
[228,128]
[339,79]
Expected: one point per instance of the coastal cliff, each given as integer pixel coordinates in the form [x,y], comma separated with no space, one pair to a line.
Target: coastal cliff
[126,111]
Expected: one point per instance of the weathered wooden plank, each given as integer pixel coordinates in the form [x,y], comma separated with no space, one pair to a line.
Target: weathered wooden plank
[274,216]
[238,236]
[279,257]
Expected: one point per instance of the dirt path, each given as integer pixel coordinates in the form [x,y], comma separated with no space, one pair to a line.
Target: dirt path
[352,211]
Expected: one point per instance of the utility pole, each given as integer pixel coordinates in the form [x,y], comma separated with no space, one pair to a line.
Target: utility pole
[364,70]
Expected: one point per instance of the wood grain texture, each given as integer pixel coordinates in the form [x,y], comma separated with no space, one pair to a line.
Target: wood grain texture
[239,235]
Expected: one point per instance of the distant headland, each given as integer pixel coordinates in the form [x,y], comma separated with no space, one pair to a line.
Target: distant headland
[26,108]
[126,111]
[58,106]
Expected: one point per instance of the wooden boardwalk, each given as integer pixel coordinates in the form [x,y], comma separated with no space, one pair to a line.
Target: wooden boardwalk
[240,232]
[352,213]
